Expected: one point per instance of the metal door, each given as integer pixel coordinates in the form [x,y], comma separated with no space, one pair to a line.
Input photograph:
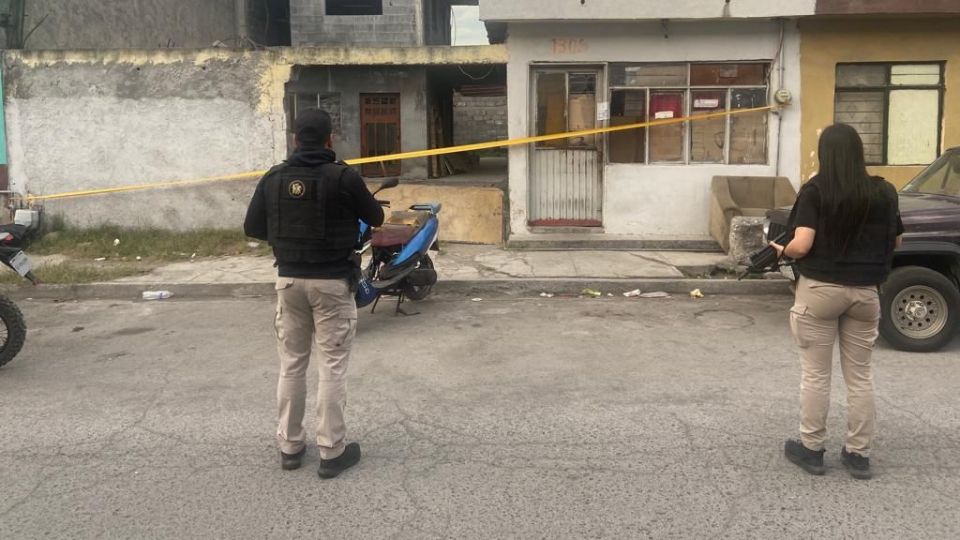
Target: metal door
[380,132]
[566,188]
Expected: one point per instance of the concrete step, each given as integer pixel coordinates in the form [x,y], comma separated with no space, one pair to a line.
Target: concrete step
[587,241]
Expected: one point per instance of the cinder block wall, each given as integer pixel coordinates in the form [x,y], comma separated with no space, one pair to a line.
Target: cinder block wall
[479,119]
[397,27]
[146,24]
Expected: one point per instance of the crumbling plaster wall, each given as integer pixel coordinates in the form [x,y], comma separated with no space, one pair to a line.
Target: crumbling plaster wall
[78,122]
[87,120]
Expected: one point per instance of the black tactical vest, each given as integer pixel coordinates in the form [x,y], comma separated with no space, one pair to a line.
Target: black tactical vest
[869,255]
[307,218]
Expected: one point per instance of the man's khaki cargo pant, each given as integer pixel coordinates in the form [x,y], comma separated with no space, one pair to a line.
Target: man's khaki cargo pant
[323,310]
[820,313]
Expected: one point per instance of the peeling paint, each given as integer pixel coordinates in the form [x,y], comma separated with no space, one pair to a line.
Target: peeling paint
[330,56]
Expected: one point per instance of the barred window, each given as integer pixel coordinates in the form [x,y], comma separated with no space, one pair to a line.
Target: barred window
[896,108]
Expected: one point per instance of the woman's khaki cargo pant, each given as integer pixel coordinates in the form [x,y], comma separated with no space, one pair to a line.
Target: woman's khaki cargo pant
[308,310]
[823,311]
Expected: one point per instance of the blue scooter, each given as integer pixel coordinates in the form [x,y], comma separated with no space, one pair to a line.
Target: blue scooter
[399,262]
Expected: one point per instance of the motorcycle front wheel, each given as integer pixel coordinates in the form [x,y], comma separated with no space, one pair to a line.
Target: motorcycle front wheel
[13,330]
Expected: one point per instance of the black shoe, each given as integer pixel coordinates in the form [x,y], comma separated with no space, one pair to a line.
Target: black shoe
[292,462]
[808,460]
[857,465]
[331,468]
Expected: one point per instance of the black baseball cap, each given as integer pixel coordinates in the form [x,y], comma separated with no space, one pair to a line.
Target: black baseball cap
[313,127]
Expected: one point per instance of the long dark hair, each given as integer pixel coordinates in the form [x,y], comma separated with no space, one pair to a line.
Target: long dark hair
[847,191]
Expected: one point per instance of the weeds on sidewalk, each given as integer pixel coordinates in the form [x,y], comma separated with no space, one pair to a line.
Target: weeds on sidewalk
[149,244]
[64,254]
[72,272]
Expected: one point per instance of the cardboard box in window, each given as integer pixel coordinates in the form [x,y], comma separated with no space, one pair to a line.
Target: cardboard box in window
[666,143]
[582,114]
[627,146]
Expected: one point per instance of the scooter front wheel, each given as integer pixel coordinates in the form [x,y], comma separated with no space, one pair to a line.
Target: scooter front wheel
[419,292]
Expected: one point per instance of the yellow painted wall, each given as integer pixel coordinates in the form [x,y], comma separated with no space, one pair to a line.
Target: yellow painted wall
[825,43]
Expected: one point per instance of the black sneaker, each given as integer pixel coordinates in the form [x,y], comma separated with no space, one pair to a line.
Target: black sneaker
[331,468]
[292,462]
[857,465]
[808,460]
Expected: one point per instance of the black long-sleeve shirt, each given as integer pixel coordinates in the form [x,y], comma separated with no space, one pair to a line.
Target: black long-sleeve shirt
[354,195]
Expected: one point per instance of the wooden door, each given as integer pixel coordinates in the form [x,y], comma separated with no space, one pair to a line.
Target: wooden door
[380,132]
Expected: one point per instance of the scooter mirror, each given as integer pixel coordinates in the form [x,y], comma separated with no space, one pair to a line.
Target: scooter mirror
[391,183]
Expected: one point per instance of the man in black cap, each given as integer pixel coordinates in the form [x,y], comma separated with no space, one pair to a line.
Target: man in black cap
[308,209]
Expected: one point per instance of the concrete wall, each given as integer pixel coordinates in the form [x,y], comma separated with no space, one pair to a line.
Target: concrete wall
[401,25]
[471,214]
[826,43]
[119,24]
[136,118]
[608,10]
[86,120]
[654,201]
[350,82]
[479,119]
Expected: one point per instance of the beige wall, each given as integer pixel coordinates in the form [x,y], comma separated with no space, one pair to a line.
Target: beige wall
[472,215]
[828,42]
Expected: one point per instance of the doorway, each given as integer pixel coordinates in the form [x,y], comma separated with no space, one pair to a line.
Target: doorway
[566,188]
[380,132]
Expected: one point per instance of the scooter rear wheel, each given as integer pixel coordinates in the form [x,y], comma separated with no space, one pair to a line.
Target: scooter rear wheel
[13,330]
[417,293]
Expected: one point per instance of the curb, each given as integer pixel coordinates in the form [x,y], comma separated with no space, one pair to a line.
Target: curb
[464,288]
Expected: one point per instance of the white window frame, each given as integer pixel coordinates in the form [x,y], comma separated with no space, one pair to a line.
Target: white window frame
[688,107]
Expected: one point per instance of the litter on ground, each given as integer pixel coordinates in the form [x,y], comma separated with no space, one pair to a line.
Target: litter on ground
[696,293]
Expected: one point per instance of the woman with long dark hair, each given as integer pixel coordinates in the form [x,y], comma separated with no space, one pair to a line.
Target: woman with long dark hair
[847,225]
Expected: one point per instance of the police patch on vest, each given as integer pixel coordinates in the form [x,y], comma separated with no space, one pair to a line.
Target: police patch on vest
[297,189]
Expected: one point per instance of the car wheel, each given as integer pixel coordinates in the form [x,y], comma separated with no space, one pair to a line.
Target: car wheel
[920,309]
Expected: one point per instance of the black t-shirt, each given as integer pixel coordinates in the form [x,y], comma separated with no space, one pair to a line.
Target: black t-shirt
[869,255]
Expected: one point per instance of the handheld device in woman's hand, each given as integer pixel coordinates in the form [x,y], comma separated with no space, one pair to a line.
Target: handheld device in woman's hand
[766,259]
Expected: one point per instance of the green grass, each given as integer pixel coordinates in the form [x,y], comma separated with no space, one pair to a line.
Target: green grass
[71,272]
[150,244]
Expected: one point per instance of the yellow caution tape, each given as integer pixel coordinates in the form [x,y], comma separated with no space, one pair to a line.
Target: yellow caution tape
[407,155]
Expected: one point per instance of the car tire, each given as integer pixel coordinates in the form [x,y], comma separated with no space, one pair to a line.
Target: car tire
[920,309]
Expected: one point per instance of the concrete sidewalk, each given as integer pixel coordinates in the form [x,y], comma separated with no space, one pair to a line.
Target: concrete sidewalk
[463,270]
[460,262]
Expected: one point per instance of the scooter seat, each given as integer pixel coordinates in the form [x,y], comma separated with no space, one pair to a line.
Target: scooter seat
[392,234]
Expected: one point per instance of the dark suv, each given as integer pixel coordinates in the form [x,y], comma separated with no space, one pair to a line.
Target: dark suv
[921,299]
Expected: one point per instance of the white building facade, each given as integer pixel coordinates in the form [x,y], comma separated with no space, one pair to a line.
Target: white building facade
[594,63]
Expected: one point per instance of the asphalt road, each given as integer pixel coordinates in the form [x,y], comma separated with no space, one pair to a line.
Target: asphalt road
[539,418]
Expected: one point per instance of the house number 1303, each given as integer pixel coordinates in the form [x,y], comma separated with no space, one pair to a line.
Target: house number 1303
[569,45]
